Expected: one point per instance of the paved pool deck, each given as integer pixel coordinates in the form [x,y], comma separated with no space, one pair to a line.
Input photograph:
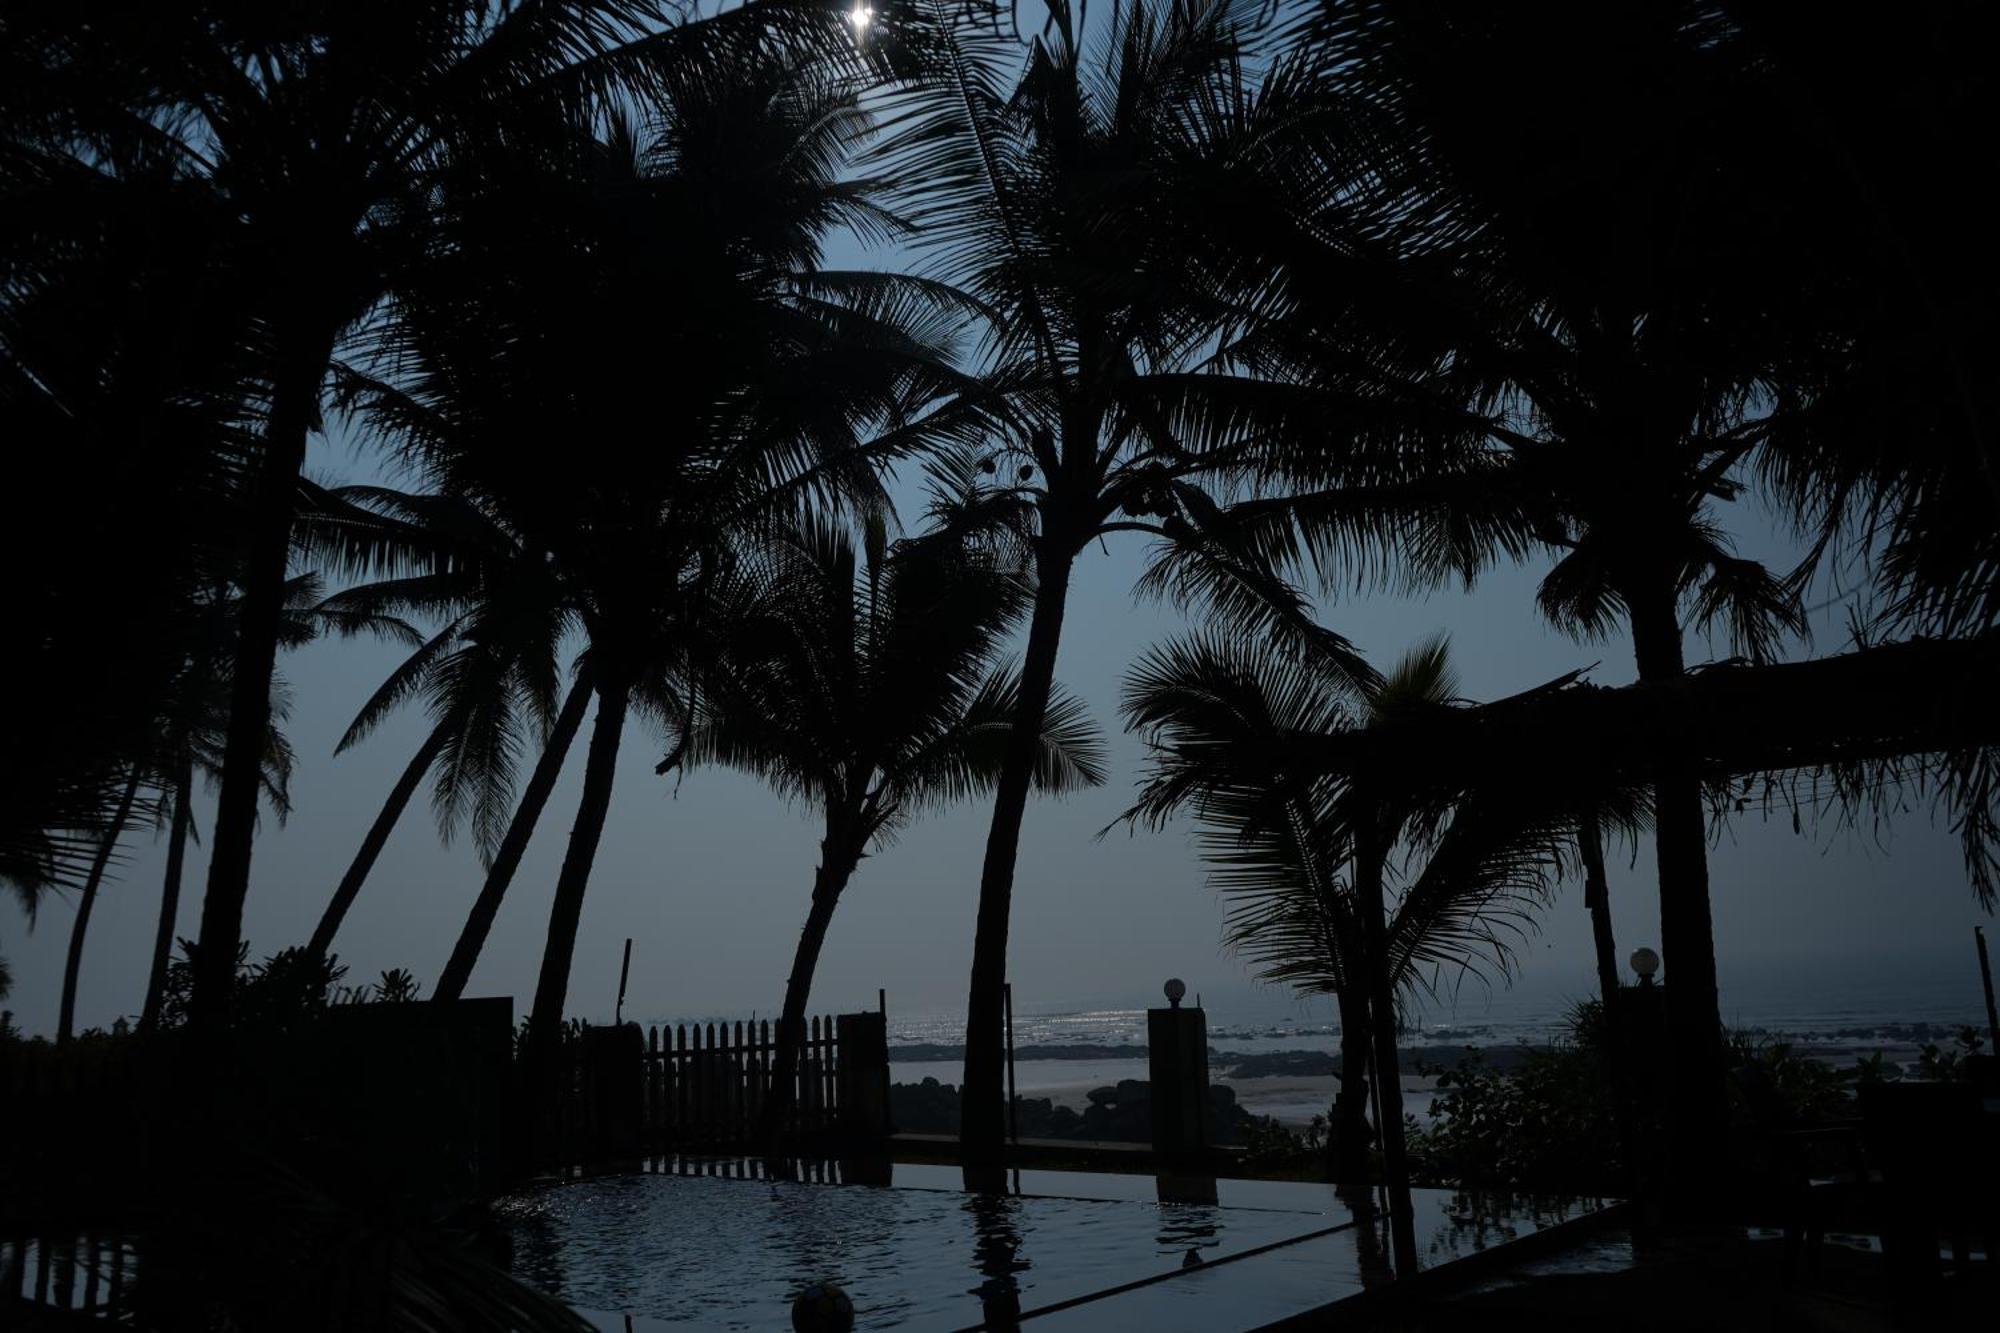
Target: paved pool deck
[1327,1267]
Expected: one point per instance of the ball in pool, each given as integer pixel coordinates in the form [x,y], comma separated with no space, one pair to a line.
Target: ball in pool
[822,1308]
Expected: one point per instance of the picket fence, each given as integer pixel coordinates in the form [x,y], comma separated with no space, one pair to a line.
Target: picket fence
[627,1092]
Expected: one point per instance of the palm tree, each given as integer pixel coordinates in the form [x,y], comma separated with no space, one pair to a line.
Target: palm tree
[1305,852]
[189,735]
[1075,207]
[66,1015]
[1894,449]
[118,380]
[1599,354]
[870,694]
[322,134]
[493,659]
[1224,721]
[712,427]
[514,842]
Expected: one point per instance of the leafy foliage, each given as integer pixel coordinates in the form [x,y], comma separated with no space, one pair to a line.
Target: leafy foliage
[1954,1063]
[1229,724]
[864,684]
[285,992]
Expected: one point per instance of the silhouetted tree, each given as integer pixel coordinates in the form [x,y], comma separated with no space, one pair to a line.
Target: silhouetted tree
[86,900]
[121,395]
[321,134]
[713,427]
[490,667]
[1304,852]
[192,734]
[868,692]
[1604,340]
[1075,206]
[189,734]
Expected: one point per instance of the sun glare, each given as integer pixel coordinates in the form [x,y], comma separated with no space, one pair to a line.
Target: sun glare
[858,18]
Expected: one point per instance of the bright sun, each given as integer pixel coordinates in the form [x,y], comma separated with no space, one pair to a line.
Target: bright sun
[859,16]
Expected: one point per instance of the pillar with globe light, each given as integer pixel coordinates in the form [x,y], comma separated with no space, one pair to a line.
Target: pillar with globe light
[1177,1060]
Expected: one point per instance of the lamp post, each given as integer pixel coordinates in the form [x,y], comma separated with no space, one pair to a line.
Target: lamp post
[1177,1070]
[1642,1038]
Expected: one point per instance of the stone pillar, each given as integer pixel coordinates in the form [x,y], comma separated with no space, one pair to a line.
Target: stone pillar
[1177,1055]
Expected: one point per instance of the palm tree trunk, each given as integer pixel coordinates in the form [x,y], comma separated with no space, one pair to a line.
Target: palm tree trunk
[371,845]
[1597,898]
[1618,1055]
[1698,1136]
[837,859]
[1370,856]
[66,1019]
[600,768]
[170,891]
[472,939]
[1349,1149]
[983,1119]
[294,407]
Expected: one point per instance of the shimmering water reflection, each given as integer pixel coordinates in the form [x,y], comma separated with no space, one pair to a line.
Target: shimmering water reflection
[721,1253]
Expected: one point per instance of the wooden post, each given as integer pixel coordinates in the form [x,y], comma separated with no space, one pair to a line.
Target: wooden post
[829,1093]
[680,1087]
[1013,1097]
[1986,977]
[618,1014]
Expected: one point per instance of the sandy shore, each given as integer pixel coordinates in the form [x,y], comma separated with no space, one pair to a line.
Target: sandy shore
[1295,1101]
[1291,1101]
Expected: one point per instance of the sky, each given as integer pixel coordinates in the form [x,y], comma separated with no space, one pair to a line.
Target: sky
[710,875]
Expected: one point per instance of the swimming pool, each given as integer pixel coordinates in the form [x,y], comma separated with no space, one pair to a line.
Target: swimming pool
[1070,1249]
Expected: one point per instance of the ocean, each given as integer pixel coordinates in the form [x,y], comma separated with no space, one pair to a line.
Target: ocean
[1822,1011]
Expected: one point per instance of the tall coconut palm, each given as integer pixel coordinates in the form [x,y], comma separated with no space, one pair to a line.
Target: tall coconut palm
[322,132]
[870,695]
[1074,204]
[667,321]
[1604,342]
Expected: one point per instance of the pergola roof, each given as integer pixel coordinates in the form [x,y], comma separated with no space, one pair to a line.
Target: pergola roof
[1921,697]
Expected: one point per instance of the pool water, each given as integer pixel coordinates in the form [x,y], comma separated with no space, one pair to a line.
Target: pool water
[731,1253]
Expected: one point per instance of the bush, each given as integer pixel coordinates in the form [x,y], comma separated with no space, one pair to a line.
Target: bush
[1550,1125]
[1954,1065]
[284,992]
